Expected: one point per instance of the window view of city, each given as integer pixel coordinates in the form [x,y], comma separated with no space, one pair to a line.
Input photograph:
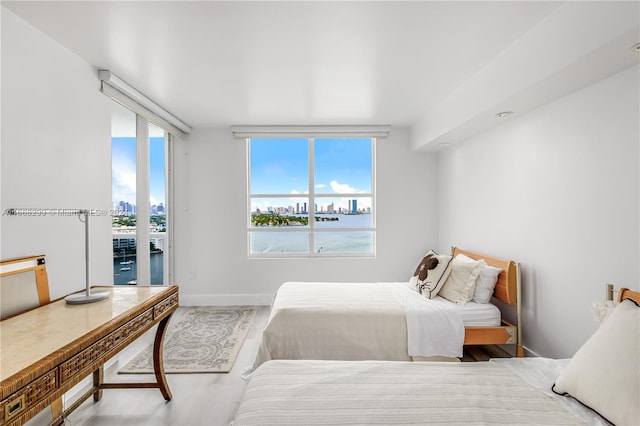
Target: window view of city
[340,190]
[125,219]
[124,243]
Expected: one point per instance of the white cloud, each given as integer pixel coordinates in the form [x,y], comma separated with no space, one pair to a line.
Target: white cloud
[321,185]
[343,188]
[123,173]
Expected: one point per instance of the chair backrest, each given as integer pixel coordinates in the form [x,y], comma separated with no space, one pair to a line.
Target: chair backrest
[24,285]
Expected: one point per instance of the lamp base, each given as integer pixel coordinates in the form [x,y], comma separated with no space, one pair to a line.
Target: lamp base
[81,298]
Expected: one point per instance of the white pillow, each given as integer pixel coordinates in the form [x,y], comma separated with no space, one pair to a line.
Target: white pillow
[431,273]
[461,282]
[605,372]
[486,282]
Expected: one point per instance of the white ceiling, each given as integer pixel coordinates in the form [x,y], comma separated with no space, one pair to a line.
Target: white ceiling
[215,63]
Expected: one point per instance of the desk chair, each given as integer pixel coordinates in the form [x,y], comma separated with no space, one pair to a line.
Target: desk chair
[24,285]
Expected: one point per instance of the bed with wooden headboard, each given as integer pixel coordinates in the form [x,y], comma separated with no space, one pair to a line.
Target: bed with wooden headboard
[508,291]
[598,386]
[371,321]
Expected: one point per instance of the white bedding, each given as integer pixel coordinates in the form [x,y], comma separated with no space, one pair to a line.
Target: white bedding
[477,314]
[541,373]
[394,393]
[434,327]
[358,321]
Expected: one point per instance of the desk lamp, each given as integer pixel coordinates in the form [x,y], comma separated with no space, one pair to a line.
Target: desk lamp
[83,216]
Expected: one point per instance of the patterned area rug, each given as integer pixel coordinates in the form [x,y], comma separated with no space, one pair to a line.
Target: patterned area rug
[203,339]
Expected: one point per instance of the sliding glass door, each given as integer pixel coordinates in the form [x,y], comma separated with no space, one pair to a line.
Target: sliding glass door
[140,154]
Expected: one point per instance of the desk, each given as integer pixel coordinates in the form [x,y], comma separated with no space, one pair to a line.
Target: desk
[46,351]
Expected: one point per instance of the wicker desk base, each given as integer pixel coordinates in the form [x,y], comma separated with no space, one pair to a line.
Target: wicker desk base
[30,390]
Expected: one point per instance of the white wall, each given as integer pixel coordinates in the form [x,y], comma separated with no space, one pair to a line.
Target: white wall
[210,231]
[557,190]
[55,152]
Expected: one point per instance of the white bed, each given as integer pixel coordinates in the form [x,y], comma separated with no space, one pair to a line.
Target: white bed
[604,375]
[360,321]
[382,321]
[407,393]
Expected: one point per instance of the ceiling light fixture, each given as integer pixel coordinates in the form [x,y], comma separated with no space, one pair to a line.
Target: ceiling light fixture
[636,47]
[504,114]
[123,93]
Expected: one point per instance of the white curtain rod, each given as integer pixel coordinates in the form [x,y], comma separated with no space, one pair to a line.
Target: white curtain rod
[125,94]
[243,132]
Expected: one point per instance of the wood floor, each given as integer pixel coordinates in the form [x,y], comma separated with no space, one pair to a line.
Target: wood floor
[198,399]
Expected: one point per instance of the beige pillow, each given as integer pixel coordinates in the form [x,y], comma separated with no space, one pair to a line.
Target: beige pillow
[605,372]
[461,282]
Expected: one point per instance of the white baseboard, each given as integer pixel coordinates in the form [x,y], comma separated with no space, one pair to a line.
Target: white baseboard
[225,299]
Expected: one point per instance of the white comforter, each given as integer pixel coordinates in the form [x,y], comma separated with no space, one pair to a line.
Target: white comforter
[394,393]
[358,321]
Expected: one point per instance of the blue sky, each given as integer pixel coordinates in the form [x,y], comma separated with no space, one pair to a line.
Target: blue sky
[277,167]
[123,169]
[280,166]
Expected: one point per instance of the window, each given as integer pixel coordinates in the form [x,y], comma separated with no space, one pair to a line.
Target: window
[139,193]
[311,197]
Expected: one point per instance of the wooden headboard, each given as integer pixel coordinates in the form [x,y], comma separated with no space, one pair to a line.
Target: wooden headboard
[625,293]
[507,285]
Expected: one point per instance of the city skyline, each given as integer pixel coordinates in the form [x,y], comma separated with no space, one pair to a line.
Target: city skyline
[301,208]
[123,170]
[128,208]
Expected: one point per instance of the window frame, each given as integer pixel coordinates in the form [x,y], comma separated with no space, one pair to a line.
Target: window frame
[143,235]
[312,196]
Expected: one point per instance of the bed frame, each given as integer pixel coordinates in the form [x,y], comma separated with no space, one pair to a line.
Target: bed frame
[623,294]
[508,291]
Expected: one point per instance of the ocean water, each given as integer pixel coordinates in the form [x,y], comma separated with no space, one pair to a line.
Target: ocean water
[123,273]
[359,242]
[296,241]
